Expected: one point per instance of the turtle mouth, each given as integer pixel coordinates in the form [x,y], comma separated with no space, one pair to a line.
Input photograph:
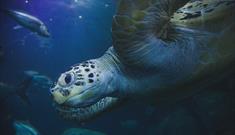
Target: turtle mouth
[85,113]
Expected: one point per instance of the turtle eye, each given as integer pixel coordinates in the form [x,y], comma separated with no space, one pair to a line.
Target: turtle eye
[66,79]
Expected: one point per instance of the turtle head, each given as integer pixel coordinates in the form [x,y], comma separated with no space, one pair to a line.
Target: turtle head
[83,91]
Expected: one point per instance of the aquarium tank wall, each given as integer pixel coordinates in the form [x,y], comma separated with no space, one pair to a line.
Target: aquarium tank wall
[117,67]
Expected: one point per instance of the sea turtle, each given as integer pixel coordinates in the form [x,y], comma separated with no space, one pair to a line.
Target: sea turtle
[163,50]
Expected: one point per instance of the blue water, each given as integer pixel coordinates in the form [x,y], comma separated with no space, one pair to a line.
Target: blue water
[73,40]
[80,30]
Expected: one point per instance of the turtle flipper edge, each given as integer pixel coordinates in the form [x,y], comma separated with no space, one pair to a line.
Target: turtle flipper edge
[136,21]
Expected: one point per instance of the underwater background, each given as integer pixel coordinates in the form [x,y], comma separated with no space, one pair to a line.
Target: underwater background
[81,30]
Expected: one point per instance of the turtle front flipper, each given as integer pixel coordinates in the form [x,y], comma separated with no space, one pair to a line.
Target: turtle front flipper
[139,23]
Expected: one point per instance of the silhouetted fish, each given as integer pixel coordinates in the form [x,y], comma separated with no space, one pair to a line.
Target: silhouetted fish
[28,21]
[23,128]
[20,90]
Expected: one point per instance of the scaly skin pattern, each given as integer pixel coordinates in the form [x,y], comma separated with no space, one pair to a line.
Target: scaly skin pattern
[161,50]
[203,12]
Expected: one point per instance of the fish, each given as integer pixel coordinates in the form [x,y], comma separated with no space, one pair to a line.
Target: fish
[24,128]
[28,21]
[39,79]
[19,90]
[31,73]
[81,131]
[17,27]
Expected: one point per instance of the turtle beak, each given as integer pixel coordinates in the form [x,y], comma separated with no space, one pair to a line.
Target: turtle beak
[58,97]
[82,100]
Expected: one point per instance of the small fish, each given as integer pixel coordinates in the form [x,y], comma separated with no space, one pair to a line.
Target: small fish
[28,21]
[17,27]
[23,128]
[38,79]
[20,90]
[81,131]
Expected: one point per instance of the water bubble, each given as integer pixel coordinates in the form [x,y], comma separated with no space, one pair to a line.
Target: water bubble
[106,5]
[80,17]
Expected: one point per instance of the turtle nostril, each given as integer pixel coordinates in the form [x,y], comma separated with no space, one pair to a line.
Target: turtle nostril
[52,90]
